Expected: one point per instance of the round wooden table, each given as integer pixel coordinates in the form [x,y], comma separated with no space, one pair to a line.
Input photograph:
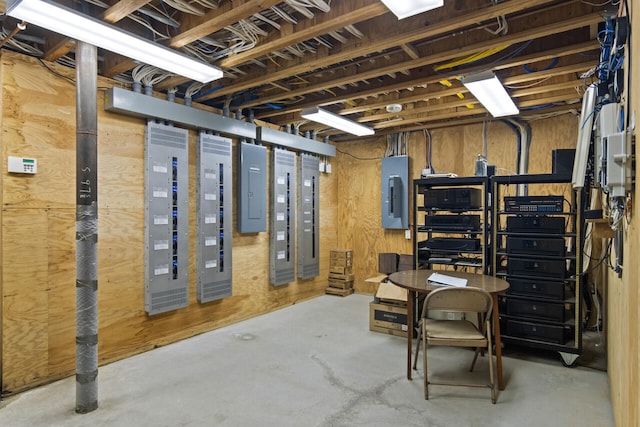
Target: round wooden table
[415,281]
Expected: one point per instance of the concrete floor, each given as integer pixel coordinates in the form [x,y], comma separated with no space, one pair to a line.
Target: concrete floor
[314,364]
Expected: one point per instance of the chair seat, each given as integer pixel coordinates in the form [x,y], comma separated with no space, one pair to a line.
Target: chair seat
[453,330]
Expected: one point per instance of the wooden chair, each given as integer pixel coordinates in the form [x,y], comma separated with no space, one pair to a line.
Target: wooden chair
[457,333]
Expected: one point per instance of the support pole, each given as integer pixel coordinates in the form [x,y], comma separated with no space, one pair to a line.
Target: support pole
[86,228]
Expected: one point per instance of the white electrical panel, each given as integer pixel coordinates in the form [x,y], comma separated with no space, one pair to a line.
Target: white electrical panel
[618,165]
[22,165]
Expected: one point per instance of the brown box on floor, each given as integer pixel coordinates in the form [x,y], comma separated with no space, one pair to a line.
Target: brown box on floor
[340,280]
[388,319]
[341,261]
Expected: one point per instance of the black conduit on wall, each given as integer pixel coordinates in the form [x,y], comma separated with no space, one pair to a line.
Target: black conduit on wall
[86,228]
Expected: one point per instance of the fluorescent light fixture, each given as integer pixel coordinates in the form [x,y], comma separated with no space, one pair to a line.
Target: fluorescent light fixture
[335,121]
[70,23]
[487,89]
[405,8]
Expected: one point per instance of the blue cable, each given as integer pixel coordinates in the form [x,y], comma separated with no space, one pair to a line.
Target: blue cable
[553,63]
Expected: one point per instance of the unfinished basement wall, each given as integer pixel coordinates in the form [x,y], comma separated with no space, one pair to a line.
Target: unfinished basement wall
[623,295]
[455,150]
[37,282]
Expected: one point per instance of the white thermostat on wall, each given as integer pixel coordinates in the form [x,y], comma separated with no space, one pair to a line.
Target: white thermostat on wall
[22,165]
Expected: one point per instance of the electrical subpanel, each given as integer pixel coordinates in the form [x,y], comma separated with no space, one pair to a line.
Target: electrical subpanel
[612,152]
[283,214]
[252,188]
[308,216]
[214,224]
[166,218]
[395,192]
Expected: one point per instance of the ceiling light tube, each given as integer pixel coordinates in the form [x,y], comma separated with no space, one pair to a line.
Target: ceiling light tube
[335,121]
[487,89]
[66,21]
[406,8]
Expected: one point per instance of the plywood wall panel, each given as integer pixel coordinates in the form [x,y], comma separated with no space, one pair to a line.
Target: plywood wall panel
[25,297]
[38,314]
[39,117]
[61,291]
[623,298]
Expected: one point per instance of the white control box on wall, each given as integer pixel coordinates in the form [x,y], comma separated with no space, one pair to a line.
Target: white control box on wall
[22,165]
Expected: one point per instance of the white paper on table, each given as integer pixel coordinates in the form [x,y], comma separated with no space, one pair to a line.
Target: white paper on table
[444,280]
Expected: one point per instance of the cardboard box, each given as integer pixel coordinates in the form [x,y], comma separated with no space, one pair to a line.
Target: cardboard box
[341,284]
[340,270]
[341,254]
[390,294]
[346,277]
[339,292]
[388,319]
[340,262]
[388,331]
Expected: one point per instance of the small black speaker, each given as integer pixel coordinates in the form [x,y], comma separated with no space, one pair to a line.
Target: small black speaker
[562,162]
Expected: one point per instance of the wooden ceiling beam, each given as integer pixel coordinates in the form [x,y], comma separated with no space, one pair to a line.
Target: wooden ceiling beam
[341,14]
[439,57]
[228,13]
[56,46]
[420,93]
[411,29]
[421,111]
[115,64]
[121,9]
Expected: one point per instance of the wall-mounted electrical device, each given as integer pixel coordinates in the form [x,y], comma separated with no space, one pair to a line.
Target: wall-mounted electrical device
[26,165]
[618,173]
[166,218]
[308,216]
[252,188]
[283,213]
[395,192]
[214,225]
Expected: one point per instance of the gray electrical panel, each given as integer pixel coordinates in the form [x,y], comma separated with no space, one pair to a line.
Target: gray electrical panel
[395,192]
[214,225]
[283,210]
[252,185]
[308,216]
[166,218]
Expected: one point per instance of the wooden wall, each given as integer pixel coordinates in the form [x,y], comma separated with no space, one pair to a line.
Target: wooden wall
[37,282]
[455,150]
[623,298]
[37,277]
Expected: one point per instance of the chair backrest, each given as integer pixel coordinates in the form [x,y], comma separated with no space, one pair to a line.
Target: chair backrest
[466,299]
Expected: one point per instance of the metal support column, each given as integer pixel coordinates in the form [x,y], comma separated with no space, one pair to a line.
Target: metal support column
[86,228]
